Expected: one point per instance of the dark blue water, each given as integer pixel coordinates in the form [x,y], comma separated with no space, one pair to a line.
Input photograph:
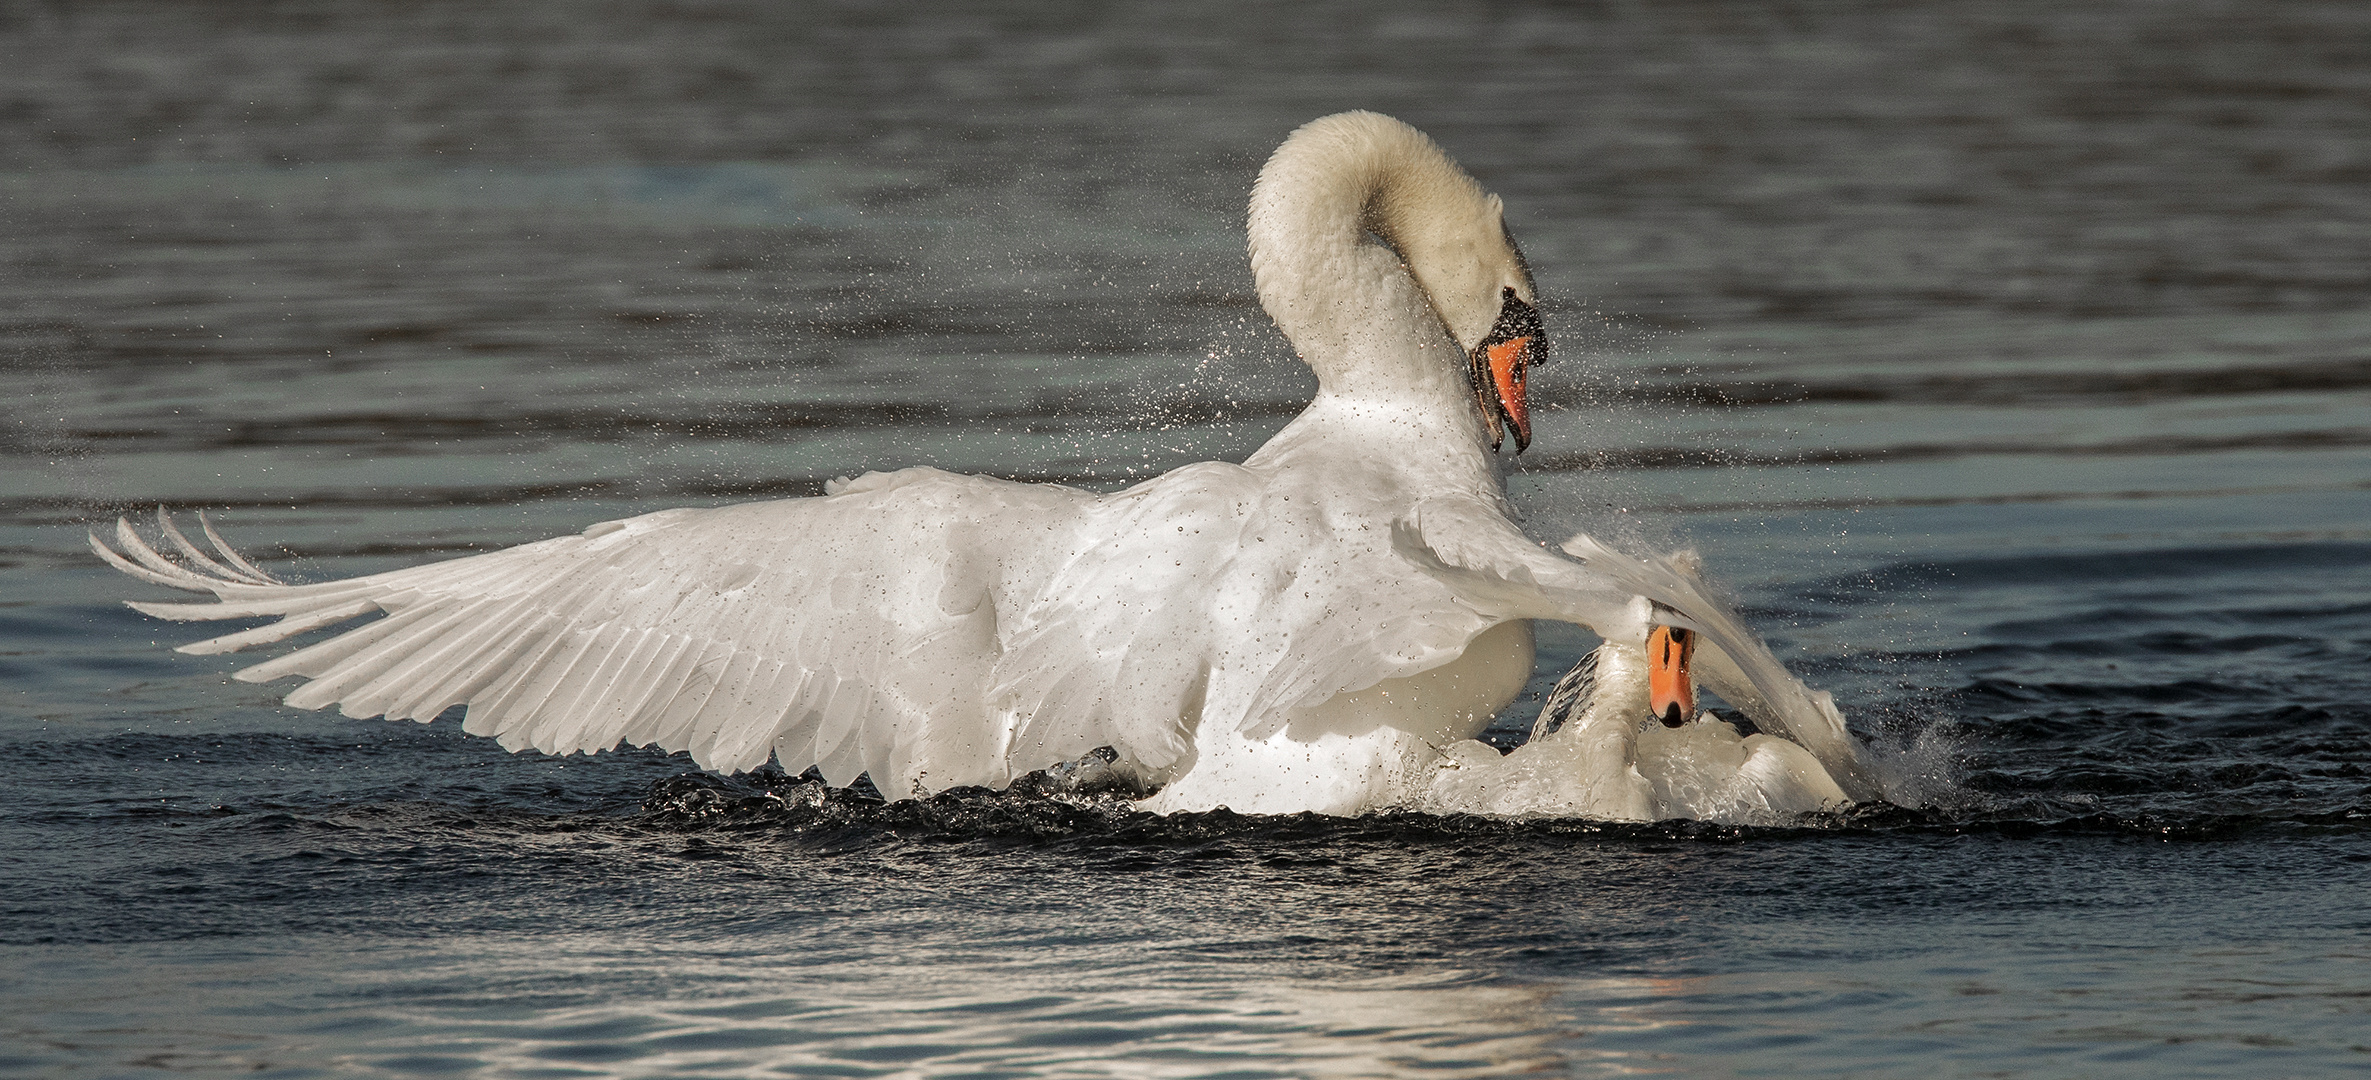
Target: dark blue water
[2010,362]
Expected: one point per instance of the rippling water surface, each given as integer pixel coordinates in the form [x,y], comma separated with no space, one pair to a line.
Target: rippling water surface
[2011,362]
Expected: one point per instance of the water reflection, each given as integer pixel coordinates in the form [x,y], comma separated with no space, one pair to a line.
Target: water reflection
[792,1004]
[591,1005]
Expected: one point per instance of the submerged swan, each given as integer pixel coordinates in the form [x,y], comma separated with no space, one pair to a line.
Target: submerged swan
[1323,627]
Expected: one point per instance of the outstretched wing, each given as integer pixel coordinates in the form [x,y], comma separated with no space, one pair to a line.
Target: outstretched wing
[854,631]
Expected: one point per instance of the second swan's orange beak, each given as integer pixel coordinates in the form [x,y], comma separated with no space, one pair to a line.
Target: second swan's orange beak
[1501,364]
[1671,691]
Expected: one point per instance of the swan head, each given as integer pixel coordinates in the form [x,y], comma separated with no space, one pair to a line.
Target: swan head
[1499,365]
[1346,187]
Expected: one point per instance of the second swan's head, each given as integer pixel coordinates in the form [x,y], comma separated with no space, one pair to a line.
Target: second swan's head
[1353,174]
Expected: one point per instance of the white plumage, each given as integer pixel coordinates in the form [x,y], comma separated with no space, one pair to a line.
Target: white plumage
[1311,629]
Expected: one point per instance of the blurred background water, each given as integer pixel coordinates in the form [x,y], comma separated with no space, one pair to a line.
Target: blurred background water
[2010,361]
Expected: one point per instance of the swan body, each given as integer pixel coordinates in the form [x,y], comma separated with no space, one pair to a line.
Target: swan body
[1324,626]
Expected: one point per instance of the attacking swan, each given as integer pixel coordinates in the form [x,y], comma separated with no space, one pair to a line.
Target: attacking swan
[1325,626]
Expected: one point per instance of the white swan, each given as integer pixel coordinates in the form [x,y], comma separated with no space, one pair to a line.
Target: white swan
[1319,628]
[1591,756]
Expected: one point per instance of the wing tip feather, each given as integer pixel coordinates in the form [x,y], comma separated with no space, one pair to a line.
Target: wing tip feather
[196,573]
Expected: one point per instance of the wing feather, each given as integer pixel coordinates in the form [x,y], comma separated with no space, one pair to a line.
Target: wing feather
[173,580]
[567,716]
[838,751]
[673,728]
[205,562]
[437,678]
[288,627]
[527,721]
[326,659]
[490,668]
[146,556]
[371,683]
[747,741]
[230,554]
[796,734]
[638,722]
[367,683]
[597,711]
[495,714]
[549,725]
[729,699]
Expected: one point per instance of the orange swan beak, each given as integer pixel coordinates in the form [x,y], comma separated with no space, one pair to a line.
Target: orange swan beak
[1671,691]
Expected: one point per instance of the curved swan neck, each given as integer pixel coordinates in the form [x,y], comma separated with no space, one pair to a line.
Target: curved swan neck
[1352,306]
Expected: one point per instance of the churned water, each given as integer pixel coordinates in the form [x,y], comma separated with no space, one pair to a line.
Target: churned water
[2010,361]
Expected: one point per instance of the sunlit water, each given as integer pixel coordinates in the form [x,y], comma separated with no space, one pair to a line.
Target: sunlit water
[2007,360]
